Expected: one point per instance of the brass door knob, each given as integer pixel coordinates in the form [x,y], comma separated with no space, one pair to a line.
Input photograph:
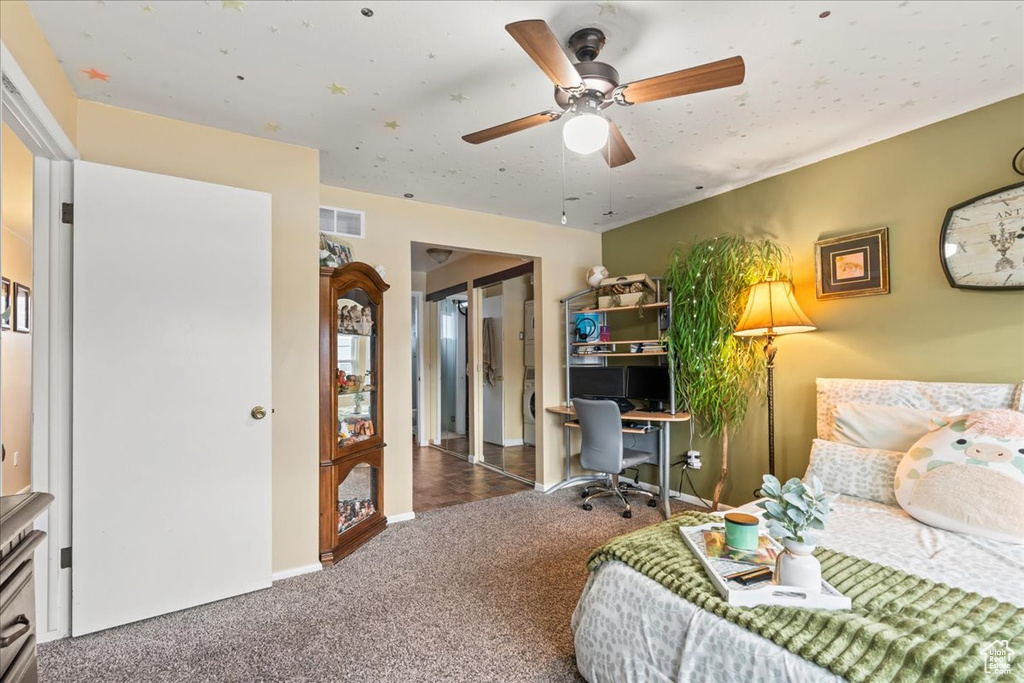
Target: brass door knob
[258,413]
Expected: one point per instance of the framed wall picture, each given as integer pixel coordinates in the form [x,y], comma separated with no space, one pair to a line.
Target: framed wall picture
[5,304]
[22,308]
[852,265]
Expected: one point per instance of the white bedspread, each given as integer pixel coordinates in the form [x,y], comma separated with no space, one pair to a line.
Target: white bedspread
[630,629]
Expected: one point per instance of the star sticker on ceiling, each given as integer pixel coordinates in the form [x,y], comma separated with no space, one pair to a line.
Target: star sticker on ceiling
[273,127]
[148,8]
[458,97]
[307,23]
[337,89]
[431,55]
[607,8]
[95,75]
[233,4]
[819,83]
[393,125]
[86,34]
[224,52]
[797,42]
[274,29]
[908,103]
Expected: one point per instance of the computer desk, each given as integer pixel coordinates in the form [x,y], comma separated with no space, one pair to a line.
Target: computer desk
[663,421]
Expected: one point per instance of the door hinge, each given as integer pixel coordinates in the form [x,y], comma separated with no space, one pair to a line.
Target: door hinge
[65,558]
[67,213]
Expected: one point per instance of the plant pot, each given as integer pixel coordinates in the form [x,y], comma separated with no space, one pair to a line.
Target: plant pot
[796,566]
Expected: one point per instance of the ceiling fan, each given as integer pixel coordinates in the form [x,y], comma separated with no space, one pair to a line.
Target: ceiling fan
[582,90]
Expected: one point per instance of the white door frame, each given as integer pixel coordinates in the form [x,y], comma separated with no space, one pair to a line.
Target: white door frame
[27,115]
[421,406]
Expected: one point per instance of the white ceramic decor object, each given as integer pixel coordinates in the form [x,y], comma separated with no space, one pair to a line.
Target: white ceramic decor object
[595,275]
[797,566]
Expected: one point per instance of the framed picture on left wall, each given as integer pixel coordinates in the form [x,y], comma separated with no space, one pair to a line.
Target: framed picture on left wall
[5,304]
[22,308]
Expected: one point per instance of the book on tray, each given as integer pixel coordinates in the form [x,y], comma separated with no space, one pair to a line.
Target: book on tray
[765,555]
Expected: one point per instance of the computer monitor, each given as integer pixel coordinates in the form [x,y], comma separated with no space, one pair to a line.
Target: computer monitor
[593,382]
[649,383]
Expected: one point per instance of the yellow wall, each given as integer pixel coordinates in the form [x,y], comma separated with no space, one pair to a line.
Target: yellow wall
[563,257]
[922,330]
[120,137]
[29,48]
[16,347]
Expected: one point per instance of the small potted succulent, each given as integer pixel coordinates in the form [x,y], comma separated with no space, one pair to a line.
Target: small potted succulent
[791,510]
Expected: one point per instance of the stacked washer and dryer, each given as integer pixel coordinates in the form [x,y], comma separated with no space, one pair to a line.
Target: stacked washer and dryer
[530,378]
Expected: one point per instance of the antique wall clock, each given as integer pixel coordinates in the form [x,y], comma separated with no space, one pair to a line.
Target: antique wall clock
[982,241]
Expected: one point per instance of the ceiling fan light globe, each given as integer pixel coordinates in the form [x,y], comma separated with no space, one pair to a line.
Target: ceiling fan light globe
[585,133]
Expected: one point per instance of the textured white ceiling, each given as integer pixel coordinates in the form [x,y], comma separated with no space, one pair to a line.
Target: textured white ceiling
[433,71]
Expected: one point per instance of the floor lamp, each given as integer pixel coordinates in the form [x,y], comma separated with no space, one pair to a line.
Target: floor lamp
[771,311]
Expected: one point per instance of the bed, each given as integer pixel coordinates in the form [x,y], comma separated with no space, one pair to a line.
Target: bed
[629,628]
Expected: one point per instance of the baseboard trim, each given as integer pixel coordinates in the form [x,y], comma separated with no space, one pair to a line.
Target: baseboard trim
[685,497]
[513,442]
[544,488]
[402,517]
[295,571]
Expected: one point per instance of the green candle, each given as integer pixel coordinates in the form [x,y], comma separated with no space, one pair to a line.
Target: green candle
[741,531]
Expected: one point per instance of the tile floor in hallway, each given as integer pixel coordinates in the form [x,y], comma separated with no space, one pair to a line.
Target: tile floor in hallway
[440,480]
[518,460]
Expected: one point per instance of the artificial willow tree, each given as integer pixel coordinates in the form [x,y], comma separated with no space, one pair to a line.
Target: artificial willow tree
[716,373]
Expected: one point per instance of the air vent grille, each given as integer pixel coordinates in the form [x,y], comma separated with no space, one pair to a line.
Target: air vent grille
[342,222]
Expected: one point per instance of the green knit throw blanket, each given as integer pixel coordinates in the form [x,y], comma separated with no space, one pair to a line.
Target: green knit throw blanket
[901,628]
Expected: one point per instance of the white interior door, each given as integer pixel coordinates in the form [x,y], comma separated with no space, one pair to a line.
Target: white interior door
[171,472]
[494,396]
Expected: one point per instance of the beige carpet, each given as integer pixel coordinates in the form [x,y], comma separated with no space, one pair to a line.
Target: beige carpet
[471,593]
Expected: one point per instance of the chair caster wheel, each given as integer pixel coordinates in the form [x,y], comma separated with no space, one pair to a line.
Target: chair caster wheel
[586,492]
[588,507]
[652,503]
[628,514]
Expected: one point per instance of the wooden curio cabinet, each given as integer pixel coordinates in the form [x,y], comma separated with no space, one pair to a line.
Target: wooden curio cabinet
[351,408]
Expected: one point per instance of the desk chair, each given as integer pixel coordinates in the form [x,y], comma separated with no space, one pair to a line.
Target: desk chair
[602,451]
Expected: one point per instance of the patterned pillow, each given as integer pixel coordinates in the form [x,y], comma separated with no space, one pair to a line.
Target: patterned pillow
[860,472]
[966,481]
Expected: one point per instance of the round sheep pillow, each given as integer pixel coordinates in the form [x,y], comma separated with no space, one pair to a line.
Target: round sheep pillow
[968,476]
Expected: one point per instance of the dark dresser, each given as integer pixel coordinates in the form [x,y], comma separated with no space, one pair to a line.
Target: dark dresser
[18,541]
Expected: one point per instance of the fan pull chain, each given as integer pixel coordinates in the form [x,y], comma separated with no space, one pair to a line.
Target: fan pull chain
[608,143]
[564,219]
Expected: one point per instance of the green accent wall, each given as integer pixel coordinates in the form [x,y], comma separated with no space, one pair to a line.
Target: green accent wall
[923,329]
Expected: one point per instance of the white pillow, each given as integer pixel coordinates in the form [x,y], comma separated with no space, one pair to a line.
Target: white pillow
[860,472]
[964,480]
[891,428]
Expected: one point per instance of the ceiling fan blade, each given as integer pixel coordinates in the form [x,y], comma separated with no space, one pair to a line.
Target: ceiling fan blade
[540,43]
[503,129]
[721,74]
[620,151]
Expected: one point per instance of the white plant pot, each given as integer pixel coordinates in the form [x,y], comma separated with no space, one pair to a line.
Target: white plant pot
[796,566]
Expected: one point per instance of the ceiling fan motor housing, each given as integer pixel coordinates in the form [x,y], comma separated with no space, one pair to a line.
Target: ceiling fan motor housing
[599,80]
[586,44]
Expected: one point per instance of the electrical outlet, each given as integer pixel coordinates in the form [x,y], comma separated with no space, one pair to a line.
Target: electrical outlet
[15,458]
[693,460]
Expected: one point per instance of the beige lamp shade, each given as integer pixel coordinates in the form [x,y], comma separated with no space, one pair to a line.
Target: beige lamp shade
[772,309]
